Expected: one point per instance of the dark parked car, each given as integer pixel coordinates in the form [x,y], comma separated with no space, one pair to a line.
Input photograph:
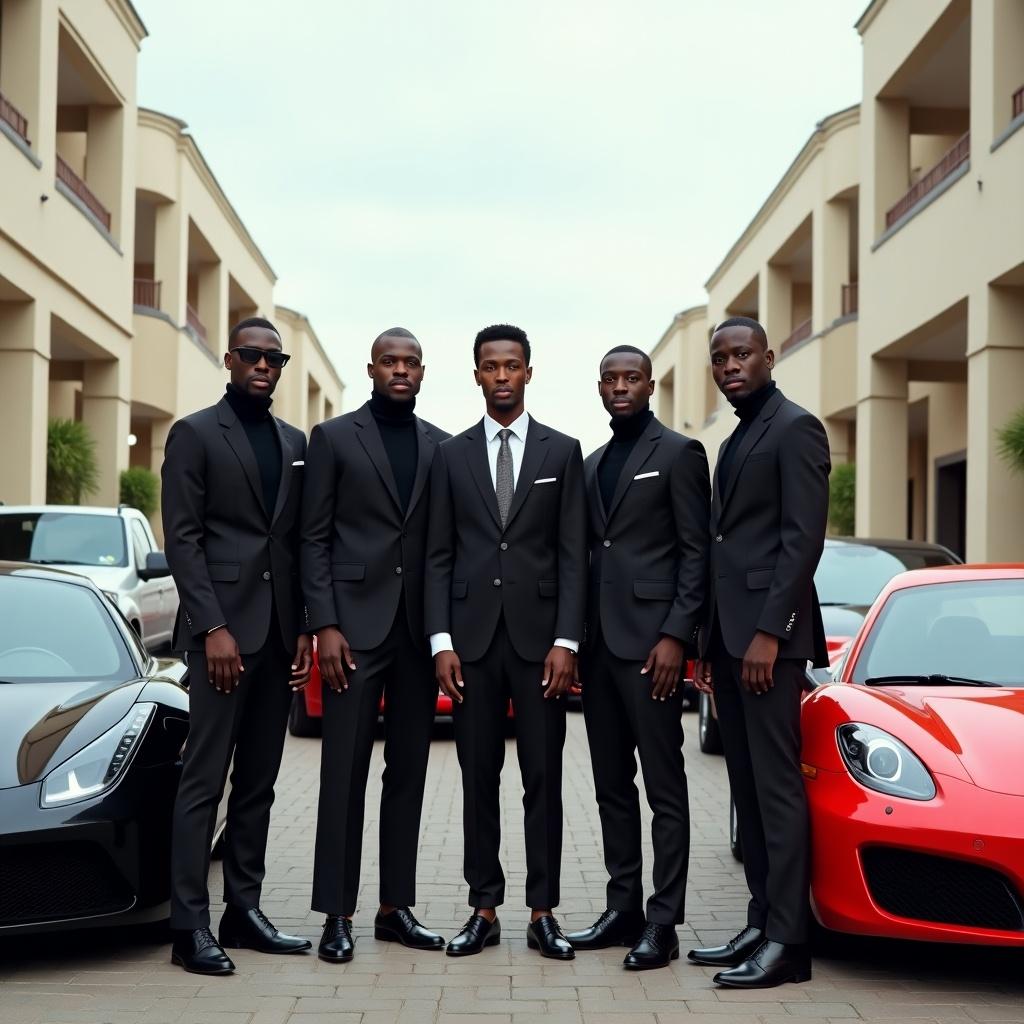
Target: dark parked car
[91,732]
[850,575]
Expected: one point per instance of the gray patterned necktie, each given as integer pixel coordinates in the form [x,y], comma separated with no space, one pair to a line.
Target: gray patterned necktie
[504,485]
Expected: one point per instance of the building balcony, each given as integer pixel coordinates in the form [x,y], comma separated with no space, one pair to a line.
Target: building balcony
[13,117]
[849,302]
[74,183]
[951,160]
[800,333]
[146,293]
[197,326]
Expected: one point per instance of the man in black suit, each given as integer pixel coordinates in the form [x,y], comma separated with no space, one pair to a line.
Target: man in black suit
[505,595]
[768,516]
[364,526]
[649,496]
[232,490]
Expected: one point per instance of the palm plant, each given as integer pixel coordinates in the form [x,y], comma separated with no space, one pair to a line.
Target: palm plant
[71,469]
[1011,441]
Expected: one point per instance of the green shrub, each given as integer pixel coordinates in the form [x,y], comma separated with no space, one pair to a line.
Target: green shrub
[71,470]
[842,498]
[1011,441]
[139,489]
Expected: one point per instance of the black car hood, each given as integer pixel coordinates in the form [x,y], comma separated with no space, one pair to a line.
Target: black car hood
[43,724]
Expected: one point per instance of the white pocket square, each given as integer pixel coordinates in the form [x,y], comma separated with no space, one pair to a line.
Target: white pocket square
[644,476]
[546,480]
[299,462]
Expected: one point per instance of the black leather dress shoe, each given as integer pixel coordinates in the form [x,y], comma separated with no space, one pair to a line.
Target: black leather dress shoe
[545,935]
[252,929]
[199,953]
[336,945]
[734,952]
[476,933]
[612,928]
[771,964]
[658,946]
[401,926]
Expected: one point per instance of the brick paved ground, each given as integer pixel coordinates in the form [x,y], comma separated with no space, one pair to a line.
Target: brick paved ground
[126,977]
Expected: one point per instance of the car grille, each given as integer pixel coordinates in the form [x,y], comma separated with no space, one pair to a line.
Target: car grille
[929,888]
[58,882]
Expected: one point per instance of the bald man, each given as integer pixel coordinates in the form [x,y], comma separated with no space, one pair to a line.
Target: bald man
[364,524]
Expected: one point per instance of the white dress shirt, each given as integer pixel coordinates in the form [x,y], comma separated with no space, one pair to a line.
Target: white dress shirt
[517,446]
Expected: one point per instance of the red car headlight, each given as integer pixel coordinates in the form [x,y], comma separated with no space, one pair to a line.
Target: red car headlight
[881,762]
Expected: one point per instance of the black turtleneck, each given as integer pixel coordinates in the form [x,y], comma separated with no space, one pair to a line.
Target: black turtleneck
[747,409]
[397,424]
[626,431]
[253,411]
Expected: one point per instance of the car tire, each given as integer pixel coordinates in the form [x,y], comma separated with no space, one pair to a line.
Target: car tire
[300,722]
[735,843]
[709,738]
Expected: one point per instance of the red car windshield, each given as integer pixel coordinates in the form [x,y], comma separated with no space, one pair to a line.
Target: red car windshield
[973,629]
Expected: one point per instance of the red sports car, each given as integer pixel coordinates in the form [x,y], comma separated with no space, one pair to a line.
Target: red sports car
[914,764]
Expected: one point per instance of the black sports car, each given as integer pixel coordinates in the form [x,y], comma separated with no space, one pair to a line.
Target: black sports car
[91,732]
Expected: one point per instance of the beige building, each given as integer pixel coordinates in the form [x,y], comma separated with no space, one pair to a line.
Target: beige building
[122,262]
[888,269]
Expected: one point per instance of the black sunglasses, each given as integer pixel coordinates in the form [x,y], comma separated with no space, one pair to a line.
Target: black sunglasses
[275,359]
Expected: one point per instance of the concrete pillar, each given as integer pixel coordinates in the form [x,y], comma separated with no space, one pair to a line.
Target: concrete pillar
[104,167]
[106,412]
[775,304]
[28,67]
[157,443]
[891,157]
[24,401]
[830,261]
[882,452]
[170,258]
[213,305]
[997,65]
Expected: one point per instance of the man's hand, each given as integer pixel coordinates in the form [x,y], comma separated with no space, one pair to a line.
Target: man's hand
[758,663]
[448,673]
[302,663]
[577,687]
[223,662]
[665,663]
[559,672]
[334,655]
[702,678]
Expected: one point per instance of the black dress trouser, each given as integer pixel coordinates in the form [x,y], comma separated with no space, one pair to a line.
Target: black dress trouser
[622,720]
[761,737]
[402,672]
[248,724]
[480,741]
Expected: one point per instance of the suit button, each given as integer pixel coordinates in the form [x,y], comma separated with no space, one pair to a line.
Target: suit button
[719,538]
[497,583]
[504,545]
[266,575]
[398,570]
[607,543]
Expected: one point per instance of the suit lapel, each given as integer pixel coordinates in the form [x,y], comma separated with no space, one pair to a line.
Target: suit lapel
[235,436]
[424,456]
[716,490]
[286,470]
[369,438]
[754,434]
[533,458]
[637,457]
[476,456]
[594,485]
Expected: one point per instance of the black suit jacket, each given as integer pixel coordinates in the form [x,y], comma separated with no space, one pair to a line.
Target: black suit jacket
[231,557]
[360,553]
[649,550]
[768,531]
[534,571]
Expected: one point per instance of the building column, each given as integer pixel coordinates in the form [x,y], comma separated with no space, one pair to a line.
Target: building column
[157,443]
[882,451]
[170,259]
[28,59]
[995,368]
[107,413]
[775,304]
[24,401]
[891,171]
[830,261]
[213,305]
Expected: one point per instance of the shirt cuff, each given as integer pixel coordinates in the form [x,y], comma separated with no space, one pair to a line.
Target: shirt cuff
[440,642]
[571,645]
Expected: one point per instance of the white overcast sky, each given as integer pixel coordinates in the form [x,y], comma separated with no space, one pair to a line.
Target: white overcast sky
[577,167]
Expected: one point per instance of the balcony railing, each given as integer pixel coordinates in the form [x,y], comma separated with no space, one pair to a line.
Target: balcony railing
[953,159]
[849,300]
[800,333]
[146,293]
[68,177]
[197,325]
[1018,102]
[14,117]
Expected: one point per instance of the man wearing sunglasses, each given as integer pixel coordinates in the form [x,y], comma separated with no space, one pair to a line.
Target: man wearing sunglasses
[232,493]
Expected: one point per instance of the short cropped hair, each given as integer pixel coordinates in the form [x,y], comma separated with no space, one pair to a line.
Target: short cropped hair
[501,332]
[396,332]
[633,350]
[744,321]
[250,321]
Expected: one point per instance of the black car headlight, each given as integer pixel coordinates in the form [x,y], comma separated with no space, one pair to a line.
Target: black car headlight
[98,766]
[879,761]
